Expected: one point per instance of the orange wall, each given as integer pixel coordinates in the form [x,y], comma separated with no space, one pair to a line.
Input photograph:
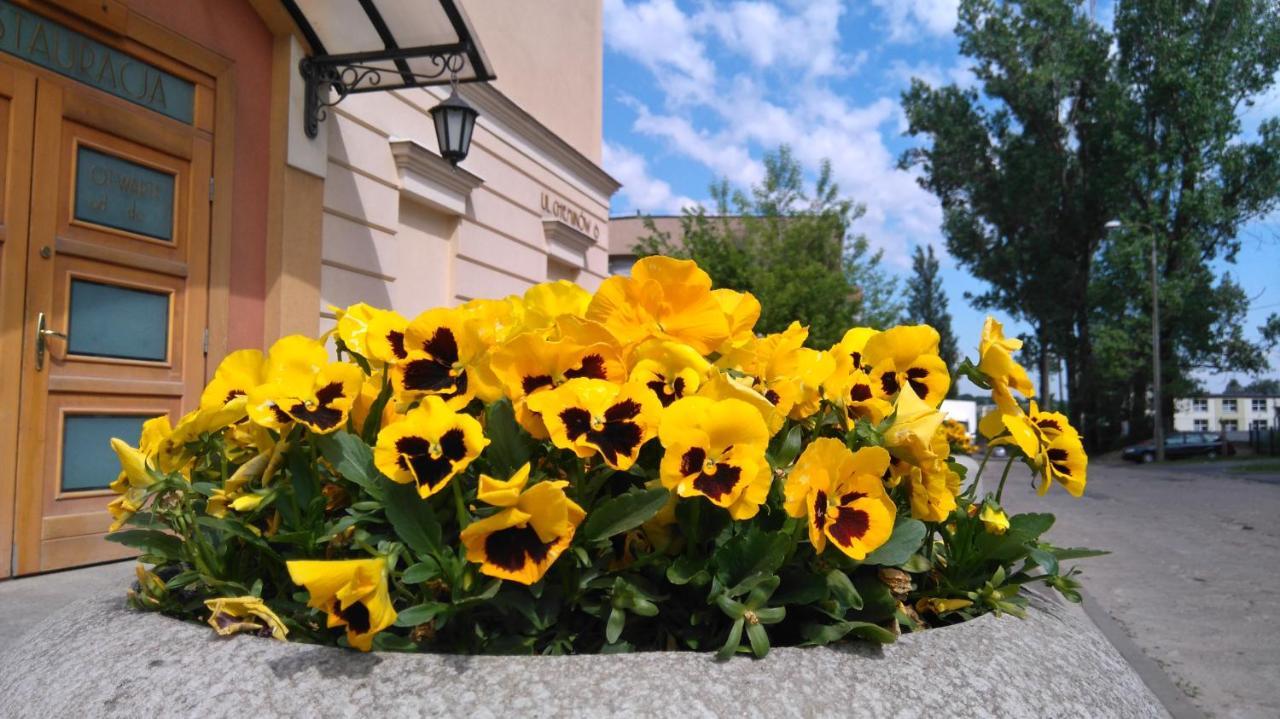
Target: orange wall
[234,30]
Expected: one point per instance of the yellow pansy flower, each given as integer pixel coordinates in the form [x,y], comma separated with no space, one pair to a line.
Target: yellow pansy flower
[232,494]
[302,385]
[526,537]
[546,301]
[592,416]
[232,615]
[849,385]
[907,356]
[353,326]
[664,298]
[721,385]
[131,485]
[932,488]
[935,605]
[994,520]
[237,374]
[840,494]
[428,446]
[670,369]
[995,360]
[911,436]
[442,351]
[742,310]
[370,389]
[492,323]
[530,363]
[1052,446]
[352,592]
[715,449]
[384,337]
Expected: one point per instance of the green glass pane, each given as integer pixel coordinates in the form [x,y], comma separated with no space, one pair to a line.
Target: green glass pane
[88,461]
[118,193]
[111,321]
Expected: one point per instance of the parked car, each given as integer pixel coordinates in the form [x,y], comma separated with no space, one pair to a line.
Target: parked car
[1182,444]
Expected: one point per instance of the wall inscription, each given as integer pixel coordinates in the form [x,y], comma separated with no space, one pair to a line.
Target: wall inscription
[124,195]
[42,42]
[570,215]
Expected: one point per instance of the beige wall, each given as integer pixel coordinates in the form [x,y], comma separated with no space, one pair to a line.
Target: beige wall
[548,56]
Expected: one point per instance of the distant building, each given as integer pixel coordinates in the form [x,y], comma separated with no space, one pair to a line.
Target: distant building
[1229,412]
[626,232]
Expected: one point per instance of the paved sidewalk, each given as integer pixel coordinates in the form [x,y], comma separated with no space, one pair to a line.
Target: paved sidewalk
[25,601]
[1194,574]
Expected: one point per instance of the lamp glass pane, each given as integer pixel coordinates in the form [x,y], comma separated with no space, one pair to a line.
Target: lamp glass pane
[455,117]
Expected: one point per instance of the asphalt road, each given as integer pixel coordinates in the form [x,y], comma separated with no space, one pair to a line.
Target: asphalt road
[1194,574]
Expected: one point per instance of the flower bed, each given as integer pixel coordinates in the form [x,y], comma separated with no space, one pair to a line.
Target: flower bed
[572,473]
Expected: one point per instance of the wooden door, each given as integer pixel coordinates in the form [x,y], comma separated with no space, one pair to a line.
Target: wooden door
[116,272]
[17,114]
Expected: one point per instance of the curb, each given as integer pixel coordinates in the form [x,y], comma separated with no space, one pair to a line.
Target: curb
[1157,680]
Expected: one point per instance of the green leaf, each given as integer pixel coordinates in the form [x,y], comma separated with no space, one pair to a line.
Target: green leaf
[373,422]
[238,530]
[352,458]
[759,639]
[843,590]
[150,541]
[733,641]
[790,448]
[819,634]
[905,541]
[686,569]
[1065,553]
[771,615]
[1031,525]
[753,552]
[509,445]
[1045,559]
[877,601]
[412,517]
[420,614]
[624,512]
[801,587]
[388,642]
[421,572]
[613,630]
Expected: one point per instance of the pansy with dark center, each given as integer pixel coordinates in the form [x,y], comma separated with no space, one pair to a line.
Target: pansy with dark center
[715,449]
[592,416]
[428,446]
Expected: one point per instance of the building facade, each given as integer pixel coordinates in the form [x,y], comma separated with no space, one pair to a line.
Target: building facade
[1230,413]
[161,206]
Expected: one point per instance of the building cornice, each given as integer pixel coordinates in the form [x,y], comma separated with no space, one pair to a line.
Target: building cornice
[566,242]
[429,178]
[492,102]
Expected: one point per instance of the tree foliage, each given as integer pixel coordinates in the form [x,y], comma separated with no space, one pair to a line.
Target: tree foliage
[1069,134]
[790,247]
[927,303]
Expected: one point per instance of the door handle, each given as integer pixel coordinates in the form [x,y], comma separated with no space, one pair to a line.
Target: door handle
[43,332]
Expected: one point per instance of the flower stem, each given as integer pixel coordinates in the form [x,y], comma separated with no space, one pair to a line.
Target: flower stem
[460,506]
[973,487]
[1000,489]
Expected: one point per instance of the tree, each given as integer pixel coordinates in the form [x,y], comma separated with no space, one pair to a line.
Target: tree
[927,304]
[1265,386]
[1068,135]
[1194,179]
[1026,175]
[791,249]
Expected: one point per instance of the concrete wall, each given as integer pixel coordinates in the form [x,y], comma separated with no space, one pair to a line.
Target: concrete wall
[548,56]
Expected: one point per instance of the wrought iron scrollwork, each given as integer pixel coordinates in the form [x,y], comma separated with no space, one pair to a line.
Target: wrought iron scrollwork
[329,80]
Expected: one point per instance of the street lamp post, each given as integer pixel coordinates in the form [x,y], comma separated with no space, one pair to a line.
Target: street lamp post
[1156,409]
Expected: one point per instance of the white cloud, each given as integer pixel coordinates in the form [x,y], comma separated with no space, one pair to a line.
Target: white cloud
[961,73]
[658,35]
[805,36]
[747,110]
[642,192]
[908,20]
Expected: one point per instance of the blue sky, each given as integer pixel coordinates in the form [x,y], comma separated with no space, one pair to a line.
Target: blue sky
[696,91]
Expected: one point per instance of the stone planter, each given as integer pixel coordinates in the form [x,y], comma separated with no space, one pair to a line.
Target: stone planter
[97,658]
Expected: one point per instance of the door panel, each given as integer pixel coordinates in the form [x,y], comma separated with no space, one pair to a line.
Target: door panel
[17,114]
[117,262]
